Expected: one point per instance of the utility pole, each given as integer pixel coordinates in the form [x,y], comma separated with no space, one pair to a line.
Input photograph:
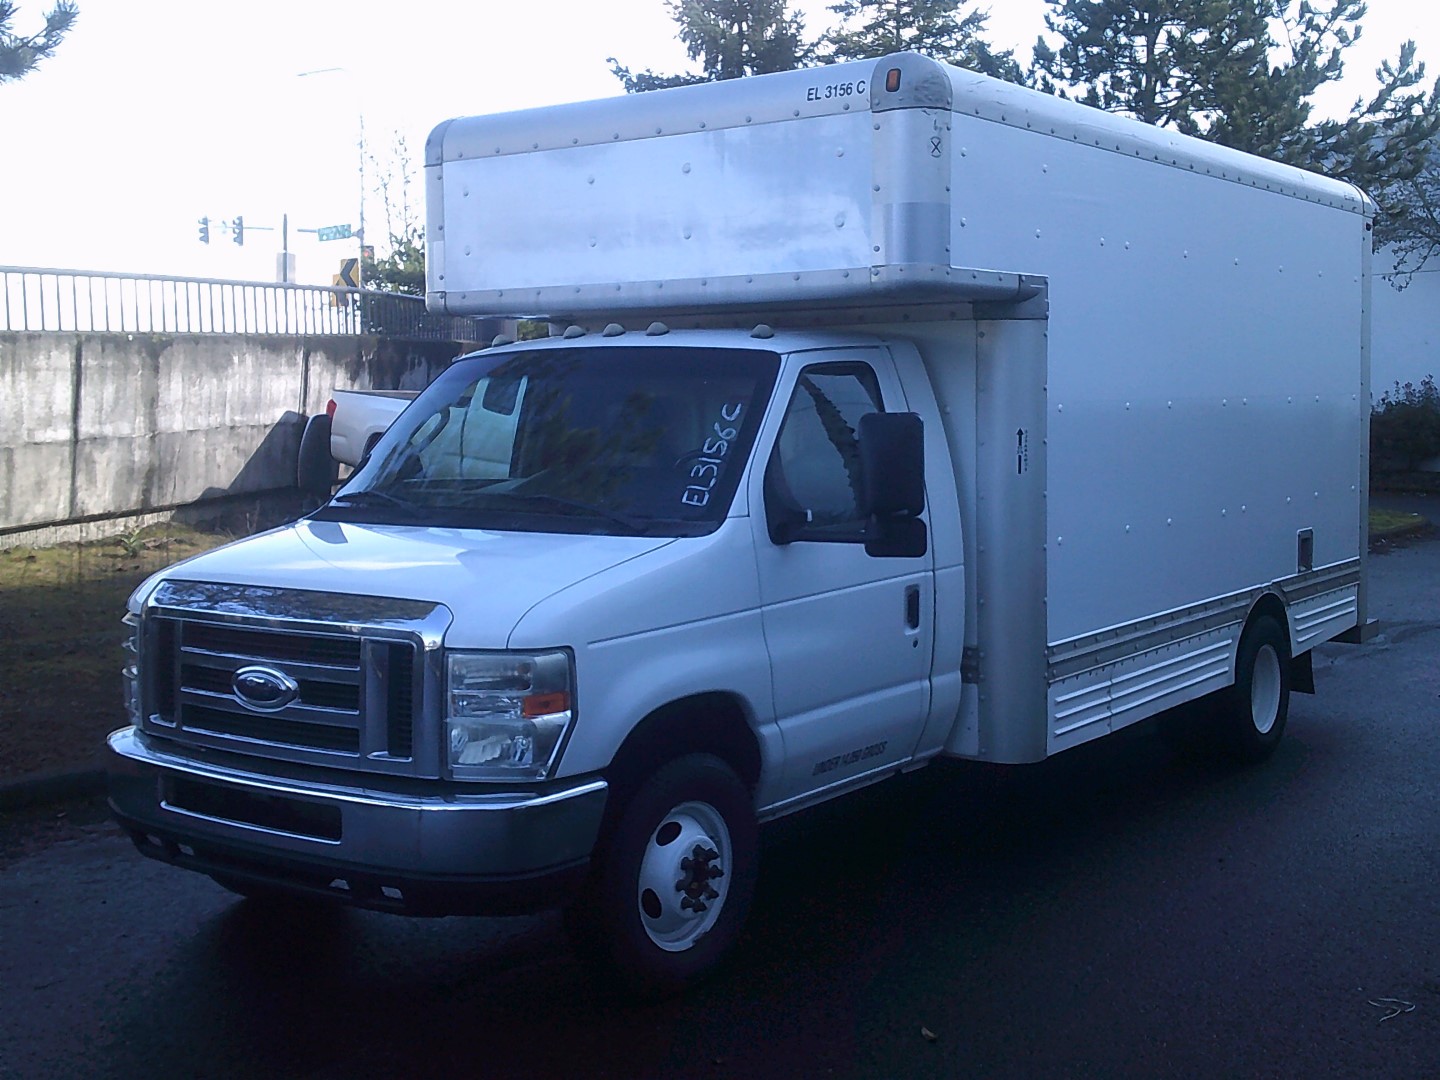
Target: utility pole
[286,269]
[360,235]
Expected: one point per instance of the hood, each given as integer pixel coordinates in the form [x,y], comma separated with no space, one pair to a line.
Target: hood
[487,579]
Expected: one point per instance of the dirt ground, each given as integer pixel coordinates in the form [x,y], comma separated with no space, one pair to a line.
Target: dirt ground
[60,612]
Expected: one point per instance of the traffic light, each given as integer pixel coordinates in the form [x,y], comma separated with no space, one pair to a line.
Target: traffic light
[204,230]
[237,230]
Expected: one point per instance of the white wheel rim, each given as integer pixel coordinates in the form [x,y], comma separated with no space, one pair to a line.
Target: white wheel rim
[684,876]
[1265,689]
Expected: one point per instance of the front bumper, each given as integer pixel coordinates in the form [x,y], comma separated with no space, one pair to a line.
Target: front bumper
[458,851]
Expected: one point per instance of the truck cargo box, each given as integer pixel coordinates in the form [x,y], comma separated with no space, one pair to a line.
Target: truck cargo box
[1197,423]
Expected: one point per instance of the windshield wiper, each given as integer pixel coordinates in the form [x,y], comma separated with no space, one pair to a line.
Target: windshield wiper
[633,524]
[372,496]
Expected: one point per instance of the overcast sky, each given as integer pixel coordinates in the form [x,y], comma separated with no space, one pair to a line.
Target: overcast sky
[156,112]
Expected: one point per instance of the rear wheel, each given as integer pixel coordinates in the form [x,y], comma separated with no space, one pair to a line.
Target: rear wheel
[672,881]
[1255,708]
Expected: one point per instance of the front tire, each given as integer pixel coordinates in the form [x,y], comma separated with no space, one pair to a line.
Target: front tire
[1255,708]
[673,880]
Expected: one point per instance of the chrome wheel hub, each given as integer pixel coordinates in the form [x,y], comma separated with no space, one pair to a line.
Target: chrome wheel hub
[1265,684]
[682,884]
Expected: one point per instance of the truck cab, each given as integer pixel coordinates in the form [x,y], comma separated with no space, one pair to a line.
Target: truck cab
[568,563]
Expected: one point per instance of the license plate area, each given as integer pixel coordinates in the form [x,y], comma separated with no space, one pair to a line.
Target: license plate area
[276,813]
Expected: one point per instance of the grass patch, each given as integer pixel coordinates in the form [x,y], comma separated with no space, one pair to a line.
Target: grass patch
[135,554]
[60,611]
[1387,523]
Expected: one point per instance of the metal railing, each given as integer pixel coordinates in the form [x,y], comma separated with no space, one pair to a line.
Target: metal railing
[93,301]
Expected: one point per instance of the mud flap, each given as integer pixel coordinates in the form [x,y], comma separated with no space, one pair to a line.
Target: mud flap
[1302,674]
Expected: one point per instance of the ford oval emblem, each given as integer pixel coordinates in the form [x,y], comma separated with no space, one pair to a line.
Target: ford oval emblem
[264,688]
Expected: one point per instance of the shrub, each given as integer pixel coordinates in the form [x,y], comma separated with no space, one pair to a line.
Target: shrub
[1405,427]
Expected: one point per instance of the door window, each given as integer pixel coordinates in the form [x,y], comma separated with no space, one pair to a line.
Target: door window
[813,479]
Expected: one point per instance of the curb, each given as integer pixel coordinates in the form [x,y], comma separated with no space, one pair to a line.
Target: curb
[50,787]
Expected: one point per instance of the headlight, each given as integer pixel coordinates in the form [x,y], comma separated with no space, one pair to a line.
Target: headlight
[506,713]
[136,603]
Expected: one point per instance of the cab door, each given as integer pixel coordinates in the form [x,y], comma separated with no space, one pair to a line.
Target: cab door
[849,635]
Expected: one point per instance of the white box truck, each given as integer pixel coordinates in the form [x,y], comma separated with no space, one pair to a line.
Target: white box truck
[890,413]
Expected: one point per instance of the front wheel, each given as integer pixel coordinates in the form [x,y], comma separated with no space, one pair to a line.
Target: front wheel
[673,880]
[1256,706]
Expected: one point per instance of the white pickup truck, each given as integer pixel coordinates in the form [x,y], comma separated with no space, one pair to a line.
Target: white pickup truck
[893,414]
[344,433]
[359,417]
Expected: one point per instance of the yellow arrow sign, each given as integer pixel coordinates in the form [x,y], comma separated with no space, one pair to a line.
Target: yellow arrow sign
[349,275]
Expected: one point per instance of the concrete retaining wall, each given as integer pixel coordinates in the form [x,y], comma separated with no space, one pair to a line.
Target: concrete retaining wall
[113,426]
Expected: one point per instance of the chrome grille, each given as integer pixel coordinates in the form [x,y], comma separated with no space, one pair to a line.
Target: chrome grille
[344,738]
[270,645]
[349,690]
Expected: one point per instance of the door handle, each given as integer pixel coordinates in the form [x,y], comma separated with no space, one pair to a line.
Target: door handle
[912,606]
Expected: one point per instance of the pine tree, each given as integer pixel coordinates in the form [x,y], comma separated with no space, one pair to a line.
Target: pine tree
[19,55]
[1161,61]
[731,39]
[1387,146]
[1411,223]
[941,29]
[1242,73]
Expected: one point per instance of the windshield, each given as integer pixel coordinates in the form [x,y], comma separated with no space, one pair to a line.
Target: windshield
[638,441]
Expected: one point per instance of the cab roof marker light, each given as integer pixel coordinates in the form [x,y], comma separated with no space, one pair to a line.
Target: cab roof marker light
[762,331]
[572,332]
[501,339]
[656,329]
[613,329]
[892,81]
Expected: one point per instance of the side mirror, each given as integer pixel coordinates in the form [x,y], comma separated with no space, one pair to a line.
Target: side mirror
[892,456]
[316,471]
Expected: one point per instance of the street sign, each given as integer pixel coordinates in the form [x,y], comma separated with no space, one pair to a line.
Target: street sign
[349,276]
[334,232]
